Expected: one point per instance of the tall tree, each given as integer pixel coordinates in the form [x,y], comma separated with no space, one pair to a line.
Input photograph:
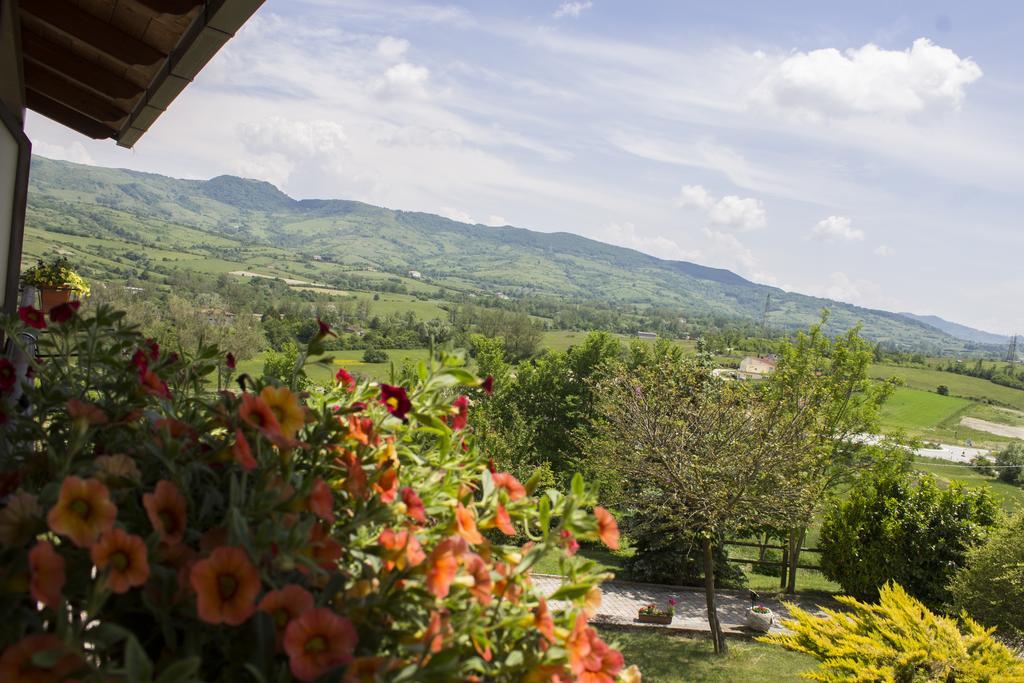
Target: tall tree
[719,453]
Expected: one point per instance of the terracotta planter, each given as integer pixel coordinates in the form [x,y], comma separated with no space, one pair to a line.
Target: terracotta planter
[52,297]
[664,619]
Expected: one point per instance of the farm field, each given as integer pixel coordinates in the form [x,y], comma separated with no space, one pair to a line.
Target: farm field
[351,360]
[973,388]
[1009,497]
[918,412]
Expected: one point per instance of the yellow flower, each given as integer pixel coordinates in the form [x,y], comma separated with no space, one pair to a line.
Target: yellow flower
[118,466]
[592,601]
[631,675]
[286,408]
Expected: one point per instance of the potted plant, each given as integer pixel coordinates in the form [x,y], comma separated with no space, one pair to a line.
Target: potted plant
[56,282]
[760,618]
[651,614]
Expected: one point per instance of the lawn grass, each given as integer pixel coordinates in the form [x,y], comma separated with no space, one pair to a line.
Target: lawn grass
[667,658]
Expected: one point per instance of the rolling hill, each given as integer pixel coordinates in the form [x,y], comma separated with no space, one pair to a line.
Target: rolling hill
[959,331]
[116,216]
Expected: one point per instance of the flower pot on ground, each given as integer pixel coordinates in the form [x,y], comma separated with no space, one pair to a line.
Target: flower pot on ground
[760,618]
[663,619]
[56,281]
[652,614]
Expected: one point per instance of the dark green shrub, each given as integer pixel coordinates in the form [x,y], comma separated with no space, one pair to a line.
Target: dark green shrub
[943,390]
[1010,464]
[903,528]
[991,586]
[375,356]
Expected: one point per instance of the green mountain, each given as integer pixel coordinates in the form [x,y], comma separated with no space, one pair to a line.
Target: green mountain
[114,217]
[959,331]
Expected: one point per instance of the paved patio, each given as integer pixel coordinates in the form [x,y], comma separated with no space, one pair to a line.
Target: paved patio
[621,601]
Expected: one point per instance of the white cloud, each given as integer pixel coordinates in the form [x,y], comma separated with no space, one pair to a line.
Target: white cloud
[836,228]
[392,48]
[496,221]
[74,151]
[291,138]
[729,212]
[841,287]
[456,214]
[870,80]
[403,80]
[572,9]
[626,235]
[883,250]
[729,249]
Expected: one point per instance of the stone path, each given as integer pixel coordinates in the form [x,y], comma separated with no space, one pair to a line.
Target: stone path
[621,601]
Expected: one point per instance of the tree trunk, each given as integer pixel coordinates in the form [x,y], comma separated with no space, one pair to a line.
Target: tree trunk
[761,551]
[796,541]
[717,637]
[784,567]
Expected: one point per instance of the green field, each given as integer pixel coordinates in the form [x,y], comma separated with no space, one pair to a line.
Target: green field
[917,412]
[973,388]
[351,360]
[666,658]
[1010,497]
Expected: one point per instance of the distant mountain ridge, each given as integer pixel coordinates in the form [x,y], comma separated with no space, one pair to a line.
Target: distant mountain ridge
[229,217]
[959,331]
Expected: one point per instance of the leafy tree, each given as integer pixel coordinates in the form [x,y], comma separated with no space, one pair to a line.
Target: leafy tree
[991,587]
[717,454]
[372,355]
[897,640]
[827,380]
[1010,463]
[942,390]
[283,366]
[903,528]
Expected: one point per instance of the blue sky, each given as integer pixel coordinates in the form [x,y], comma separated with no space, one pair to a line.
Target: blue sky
[870,152]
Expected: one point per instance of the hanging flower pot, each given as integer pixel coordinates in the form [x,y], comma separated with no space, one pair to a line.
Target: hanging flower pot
[54,296]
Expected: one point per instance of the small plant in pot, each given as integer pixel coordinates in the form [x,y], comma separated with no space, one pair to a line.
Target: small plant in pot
[56,281]
[652,614]
[760,618]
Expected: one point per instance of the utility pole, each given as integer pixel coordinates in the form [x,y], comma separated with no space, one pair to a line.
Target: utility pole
[764,315]
[1011,355]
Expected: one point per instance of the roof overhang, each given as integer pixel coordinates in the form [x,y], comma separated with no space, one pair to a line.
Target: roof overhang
[110,68]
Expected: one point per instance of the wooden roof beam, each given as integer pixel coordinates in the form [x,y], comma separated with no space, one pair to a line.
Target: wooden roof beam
[65,116]
[72,21]
[178,7]
[46,82]
[58,58]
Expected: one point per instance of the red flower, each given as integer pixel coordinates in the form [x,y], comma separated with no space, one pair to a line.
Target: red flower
[152,384]
[321,500]
[140,361]
[443,564]
[504,480]
[488,385]
[324,329]
[396,400]
[317,642]
[124,557]
[229,360]
[165,507]
[64,312]
[87,412]
[226,585]
[32,316]
[607,528]
[461,416]
[570,544]
[8,375]
[46,568]
[413,505]
[345,379]
[19,663]
[255,411]
[324,550]
[285,605]
[590,658]
[242,453]
[154,349]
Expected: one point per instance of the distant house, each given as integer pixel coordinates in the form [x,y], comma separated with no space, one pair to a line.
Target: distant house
[647,335]
[415,274]
[757,366]
[318,257]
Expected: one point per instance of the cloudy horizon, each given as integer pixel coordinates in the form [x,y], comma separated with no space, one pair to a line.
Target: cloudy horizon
[864,154]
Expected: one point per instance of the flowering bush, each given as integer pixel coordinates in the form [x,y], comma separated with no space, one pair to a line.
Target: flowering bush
[152,531]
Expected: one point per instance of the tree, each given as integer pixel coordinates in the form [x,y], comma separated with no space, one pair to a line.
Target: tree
[1010,463]
[991,587]
[719,454]
[372,355]
[942,390]
[828,381]
[902,527]
[898,639]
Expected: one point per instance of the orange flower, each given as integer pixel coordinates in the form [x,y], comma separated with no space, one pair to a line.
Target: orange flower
[317,642]
[124,555]
[166,509]
[438,629]
[387,485]
[20,520]
[503,521]
[592,601]
[323,549]
[254,411]
[444,564]
[543,622]
[414,506]
[504,480]
[321,501]
[47,570]
[242,453]
[607,528]
[19,664]
[87,413]
[83,511]
[401,549]
[286,409]
[364,670]
[117,467]
[466,525]
[590,658]
[226,584]
[359,429]
[482,583]
[286,604]
[355,480]
[153,384]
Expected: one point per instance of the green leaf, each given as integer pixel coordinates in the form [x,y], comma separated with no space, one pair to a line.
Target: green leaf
[182,671]
[570,591]
[47,659]
[545,514]
[136,662]
[577,486]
